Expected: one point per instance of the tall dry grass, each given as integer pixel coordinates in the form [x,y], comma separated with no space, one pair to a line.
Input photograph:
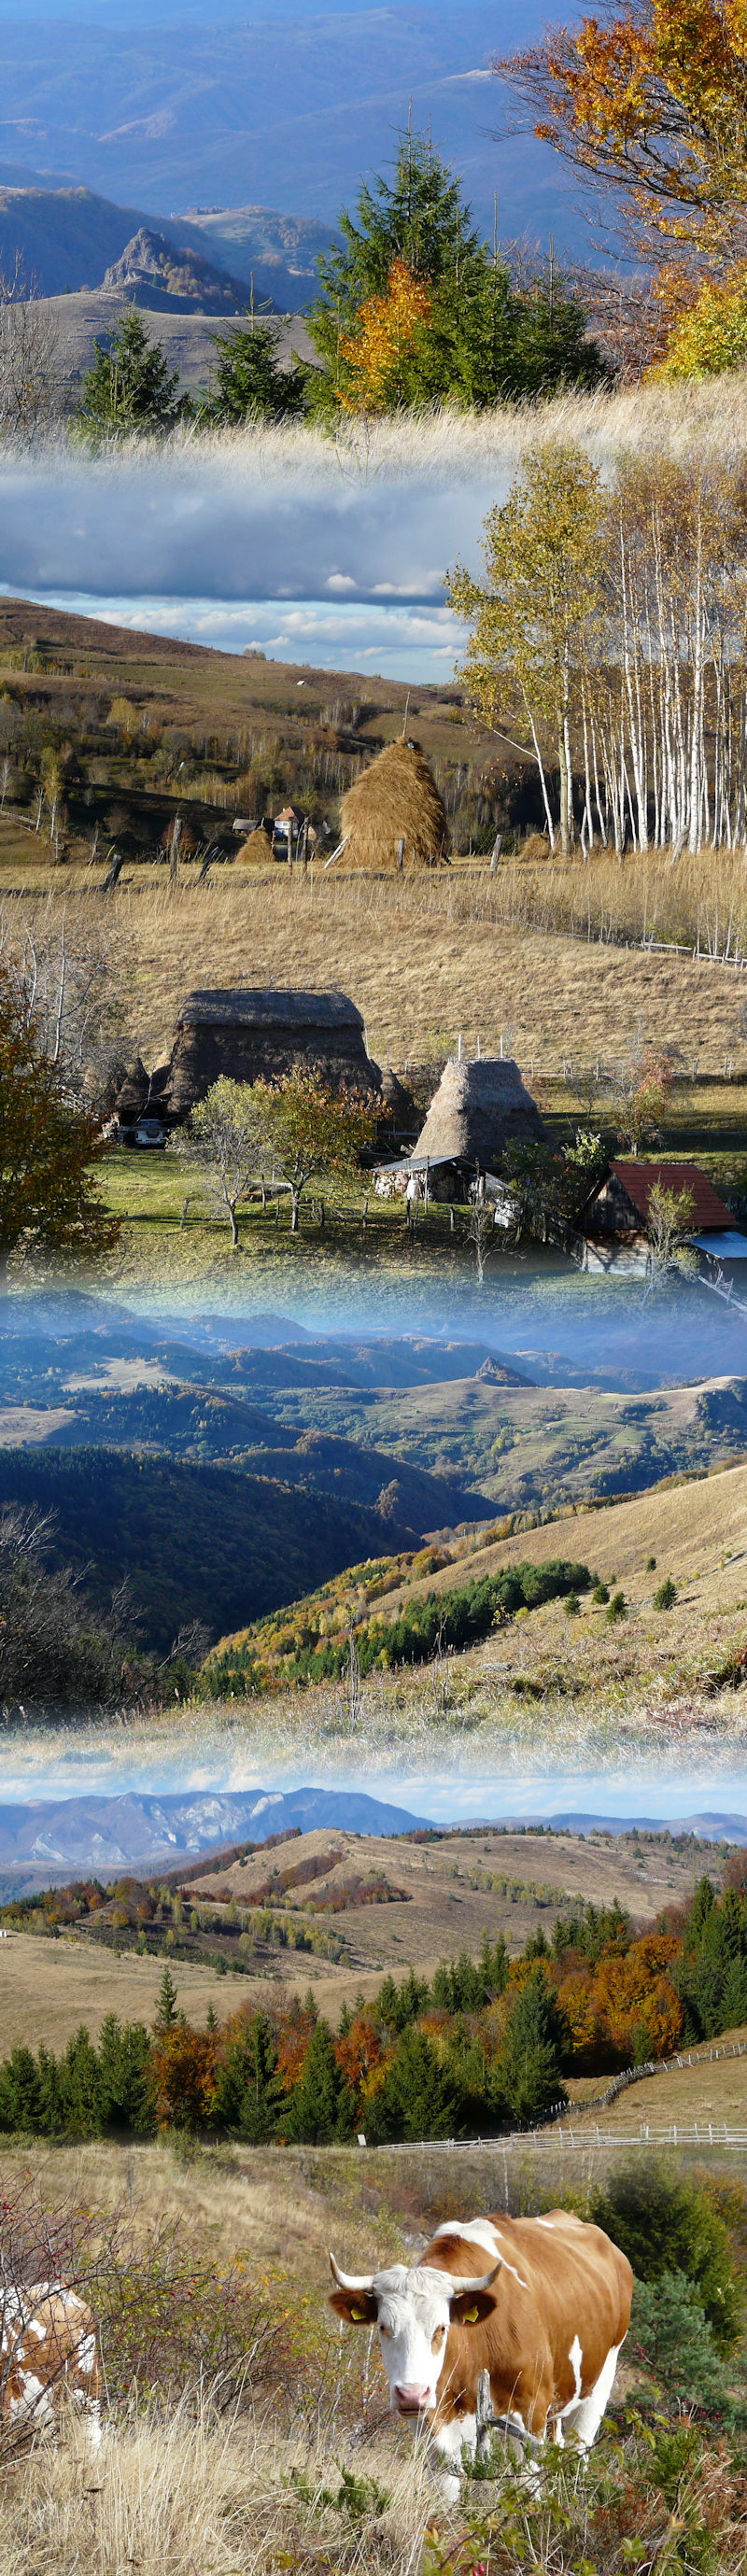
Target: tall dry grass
[185,2496]
[440,444]
[535,954]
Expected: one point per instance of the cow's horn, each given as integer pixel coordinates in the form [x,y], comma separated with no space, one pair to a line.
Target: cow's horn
[350,2280]
[466,2289]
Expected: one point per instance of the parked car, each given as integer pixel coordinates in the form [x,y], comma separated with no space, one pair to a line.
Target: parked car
[149,1132]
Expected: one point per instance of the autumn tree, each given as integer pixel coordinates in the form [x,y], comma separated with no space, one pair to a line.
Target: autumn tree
[228,1137]
[532,621]
[642,1088]
[669,1227]
[310,1130]
[48,1143]
[650,105]
[416,309]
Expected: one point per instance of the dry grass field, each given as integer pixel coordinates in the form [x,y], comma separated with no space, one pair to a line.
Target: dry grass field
[710,2091]
[553,998]
[697,1533]
[444,1897]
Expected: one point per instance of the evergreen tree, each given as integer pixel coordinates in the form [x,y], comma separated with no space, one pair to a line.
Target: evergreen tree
[166,2014]
[529,2073]
[319,2107]
[247,2092]
[130,387]
[670,2330]
[79,2087]
[418,2098]
[21,2092]
[666,2224]
[250,383]
[123,2056]
[415,309]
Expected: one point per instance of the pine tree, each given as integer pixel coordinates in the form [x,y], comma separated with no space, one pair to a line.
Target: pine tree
[166,2014]
[130,387]
[319,2107]
[250,383]
[531,2059]
[418,2098]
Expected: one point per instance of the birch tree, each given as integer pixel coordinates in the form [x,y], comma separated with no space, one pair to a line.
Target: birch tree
[535,620]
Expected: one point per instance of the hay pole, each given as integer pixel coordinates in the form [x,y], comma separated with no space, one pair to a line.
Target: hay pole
[337,854]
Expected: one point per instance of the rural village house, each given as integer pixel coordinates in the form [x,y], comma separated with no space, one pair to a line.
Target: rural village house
[615,1218]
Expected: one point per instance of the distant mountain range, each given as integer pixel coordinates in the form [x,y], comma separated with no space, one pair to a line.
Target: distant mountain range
[70,240]
[46,1843]
[49,1841]
[291,104]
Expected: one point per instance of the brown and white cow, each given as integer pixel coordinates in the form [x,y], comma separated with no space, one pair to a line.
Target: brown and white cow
[546,2321]
[49,2349]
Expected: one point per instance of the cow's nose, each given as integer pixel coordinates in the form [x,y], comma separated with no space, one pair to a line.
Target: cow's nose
[410,2395]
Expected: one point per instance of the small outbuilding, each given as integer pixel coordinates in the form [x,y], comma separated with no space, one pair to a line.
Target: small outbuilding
[615,1220]
[393,815]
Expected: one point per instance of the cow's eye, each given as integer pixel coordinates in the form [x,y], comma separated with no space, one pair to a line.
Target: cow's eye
[438,2337]
[385,2330]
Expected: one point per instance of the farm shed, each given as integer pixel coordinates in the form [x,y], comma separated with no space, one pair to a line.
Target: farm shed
[394,802]
[615,1218]
[478,1109]
[260,1035]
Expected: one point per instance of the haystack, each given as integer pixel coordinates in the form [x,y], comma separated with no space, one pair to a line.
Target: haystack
[395,800]
[260,1035]
[255,850]
[479,1109]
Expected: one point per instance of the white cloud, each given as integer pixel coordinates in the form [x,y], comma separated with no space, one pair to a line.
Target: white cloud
[398,642]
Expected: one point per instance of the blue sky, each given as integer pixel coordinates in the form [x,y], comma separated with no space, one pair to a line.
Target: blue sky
[325,569]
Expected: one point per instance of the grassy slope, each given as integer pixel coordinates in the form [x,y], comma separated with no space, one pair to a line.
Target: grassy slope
[448,1900]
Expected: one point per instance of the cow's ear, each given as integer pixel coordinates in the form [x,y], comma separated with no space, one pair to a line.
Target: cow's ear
[469,2308]
[356,2306]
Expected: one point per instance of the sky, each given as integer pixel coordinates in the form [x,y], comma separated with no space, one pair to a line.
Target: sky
[329,571]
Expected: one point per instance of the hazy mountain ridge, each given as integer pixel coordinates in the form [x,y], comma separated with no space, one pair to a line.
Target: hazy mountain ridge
[127,110]
[69,239]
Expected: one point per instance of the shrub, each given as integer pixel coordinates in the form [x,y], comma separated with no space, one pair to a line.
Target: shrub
[666,1594]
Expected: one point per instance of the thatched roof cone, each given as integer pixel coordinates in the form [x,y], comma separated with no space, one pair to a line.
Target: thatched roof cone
[255,850]
[395,800]
[478,1109]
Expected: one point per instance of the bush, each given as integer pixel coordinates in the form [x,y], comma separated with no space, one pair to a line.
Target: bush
[666,1594]
[618,1608]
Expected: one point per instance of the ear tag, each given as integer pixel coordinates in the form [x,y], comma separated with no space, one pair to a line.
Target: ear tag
[358,2316]
[470,2316]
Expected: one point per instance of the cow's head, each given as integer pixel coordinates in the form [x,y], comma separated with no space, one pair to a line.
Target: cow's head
[412,2311]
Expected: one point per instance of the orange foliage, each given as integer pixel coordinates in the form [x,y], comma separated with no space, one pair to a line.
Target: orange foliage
[293,2039]
[653,102]
[359,2051]
[386,332]
[181,2076]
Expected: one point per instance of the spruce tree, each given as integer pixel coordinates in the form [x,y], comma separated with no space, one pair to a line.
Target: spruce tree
[418,2098]
[320,2108]
[250,383]
[529,2072]
[130,387]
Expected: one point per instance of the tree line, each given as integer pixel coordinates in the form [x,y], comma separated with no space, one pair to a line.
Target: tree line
[440,1622]
[611,624]
[483,2047]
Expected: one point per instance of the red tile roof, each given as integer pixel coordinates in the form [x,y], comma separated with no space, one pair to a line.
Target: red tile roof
[638,1179]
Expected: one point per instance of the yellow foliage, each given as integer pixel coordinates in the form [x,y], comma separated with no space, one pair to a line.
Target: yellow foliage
[386,332]
[710,338]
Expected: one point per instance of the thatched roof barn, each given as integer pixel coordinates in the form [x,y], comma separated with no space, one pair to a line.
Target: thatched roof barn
[256,1036]
[479,1109]
[395,800]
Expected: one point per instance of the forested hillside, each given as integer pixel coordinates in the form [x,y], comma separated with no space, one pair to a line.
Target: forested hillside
[190,1542]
